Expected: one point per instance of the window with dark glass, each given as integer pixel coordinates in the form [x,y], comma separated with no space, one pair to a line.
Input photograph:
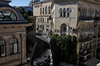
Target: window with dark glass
[64,12]
[49,9]
[40,10]
[13,46]
[2,48]
[43,27]
[60,12]
[7,15]
[68,12]
[45,10]
[43,20]
[47,20]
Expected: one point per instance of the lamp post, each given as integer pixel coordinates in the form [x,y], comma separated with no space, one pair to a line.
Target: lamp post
[51,24]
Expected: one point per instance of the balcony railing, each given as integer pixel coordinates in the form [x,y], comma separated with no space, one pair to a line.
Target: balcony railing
[86,18]
[89,18]
[84,52]
[84,40]
[97,18]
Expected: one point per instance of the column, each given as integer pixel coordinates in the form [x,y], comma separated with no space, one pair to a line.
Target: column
[23,43]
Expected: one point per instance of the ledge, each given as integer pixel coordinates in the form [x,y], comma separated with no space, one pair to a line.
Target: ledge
[15,25]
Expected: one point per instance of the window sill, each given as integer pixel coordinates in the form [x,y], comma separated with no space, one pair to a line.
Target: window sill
[3,56]
[64,17]
[14,54]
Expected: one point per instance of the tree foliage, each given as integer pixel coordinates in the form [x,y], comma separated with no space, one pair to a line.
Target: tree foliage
[64,49]
[25,14]
[26,17]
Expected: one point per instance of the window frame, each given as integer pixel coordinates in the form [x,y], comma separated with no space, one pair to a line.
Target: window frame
[4,49]
[64,12]
[4,16]
[13,46]
[61,12]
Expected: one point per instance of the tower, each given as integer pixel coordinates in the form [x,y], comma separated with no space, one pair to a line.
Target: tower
[30,3]
[36,1]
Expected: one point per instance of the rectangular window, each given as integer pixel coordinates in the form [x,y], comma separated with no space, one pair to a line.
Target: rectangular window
[43,27]
[45,10]
[15,48]
[11,49]
[43,20]
[40,11]
[38,26]
[47,20]
[2,49]
[68,14]
[38,19]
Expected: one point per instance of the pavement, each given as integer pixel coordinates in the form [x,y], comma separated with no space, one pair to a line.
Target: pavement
[41,58]
[92,62]
[44,38]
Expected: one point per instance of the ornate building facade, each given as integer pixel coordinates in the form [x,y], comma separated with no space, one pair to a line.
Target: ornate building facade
[12,35]
[42,11]
[75,18]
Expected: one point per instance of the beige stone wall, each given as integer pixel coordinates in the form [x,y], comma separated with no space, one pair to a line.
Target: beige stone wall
[92,5]
[20,34]
[37,6]
[40,17]
[70,21]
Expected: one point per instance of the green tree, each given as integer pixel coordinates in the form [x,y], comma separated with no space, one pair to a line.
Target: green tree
[64,49]
[26,17]
[55,49]
[25,14]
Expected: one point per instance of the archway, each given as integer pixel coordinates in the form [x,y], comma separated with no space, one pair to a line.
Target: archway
[63,29]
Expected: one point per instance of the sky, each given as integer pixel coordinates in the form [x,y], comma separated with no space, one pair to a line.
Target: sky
[20,2]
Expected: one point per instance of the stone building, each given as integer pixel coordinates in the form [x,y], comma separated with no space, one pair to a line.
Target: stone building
[75,17]
[12,35]
[42,11]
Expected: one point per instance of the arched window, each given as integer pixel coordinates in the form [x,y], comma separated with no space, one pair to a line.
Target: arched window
[45,10]
[7,15]
[2,48]
[68,12]
[63,29]
[49,9]
[60,12]
[64,12]
[13,45]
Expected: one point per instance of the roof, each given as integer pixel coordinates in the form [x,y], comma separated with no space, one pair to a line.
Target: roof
[21,19]
[42,2]
[44,38]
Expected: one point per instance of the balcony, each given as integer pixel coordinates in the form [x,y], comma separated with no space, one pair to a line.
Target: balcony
[97,18]
[86,18]
[84,52]
[89,18]
[84,40]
